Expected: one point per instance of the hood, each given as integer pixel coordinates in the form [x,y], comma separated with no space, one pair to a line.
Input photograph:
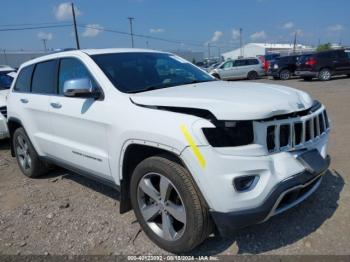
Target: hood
[3,95]
[229,100]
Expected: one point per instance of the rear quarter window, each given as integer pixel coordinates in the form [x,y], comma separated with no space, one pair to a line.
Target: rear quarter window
[24,79]
[253,62]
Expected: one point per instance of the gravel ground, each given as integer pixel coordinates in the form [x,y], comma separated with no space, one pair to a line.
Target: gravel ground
[63,213]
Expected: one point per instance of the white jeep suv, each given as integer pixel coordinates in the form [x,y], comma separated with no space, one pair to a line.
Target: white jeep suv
[189,153]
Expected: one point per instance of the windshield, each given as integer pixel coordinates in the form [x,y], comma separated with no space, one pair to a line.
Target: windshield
[139,72]
[5,81]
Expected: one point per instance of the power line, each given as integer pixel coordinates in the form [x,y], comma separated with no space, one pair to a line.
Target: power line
[33,28]
[33,24]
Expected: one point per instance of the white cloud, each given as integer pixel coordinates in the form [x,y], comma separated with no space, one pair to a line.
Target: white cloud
[216,36]
[92,30]
[43,35]
[258,35]
[63,12]
[156,30]
[335,28]
[288,25]
[235,34]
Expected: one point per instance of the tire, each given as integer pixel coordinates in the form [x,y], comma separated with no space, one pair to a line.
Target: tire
[27,158]
[217,76]
[307,78]
[192,224]
[252,75]
[284,74]
[325,74]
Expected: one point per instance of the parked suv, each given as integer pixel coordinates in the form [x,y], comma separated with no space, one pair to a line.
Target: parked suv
[283,67]
[324,65]
[6,77]
[187,152]
[250,68]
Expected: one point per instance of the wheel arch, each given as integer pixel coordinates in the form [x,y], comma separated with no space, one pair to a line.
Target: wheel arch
[13,124]
[133,153]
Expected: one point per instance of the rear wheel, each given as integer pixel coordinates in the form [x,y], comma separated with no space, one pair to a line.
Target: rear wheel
[325,74]
[27,158]
[252,75]
[285,74]
[167,205]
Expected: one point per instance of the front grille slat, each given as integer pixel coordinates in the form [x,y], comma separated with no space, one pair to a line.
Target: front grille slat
[3,111]
[293,133]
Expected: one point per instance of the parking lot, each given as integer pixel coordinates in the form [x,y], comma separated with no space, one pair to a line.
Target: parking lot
[63,213]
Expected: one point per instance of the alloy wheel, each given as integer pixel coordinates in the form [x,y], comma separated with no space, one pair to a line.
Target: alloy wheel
[22,151]
[161,206]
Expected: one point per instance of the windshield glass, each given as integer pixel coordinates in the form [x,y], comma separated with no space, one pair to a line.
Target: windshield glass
[5,81]
[139,72]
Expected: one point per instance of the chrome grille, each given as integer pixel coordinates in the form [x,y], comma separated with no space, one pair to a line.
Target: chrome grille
[3,111]
[293,133]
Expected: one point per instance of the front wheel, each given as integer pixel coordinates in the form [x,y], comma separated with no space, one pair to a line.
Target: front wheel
[168,206]
[325,74]
[217,76]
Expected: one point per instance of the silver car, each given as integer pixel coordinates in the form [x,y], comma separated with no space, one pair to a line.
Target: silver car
[250,68]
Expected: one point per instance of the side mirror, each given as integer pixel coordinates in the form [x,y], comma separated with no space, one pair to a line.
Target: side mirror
[81,87]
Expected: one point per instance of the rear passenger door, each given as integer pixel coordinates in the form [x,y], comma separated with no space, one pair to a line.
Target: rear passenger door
[241,68]
[78,124]
[34,87]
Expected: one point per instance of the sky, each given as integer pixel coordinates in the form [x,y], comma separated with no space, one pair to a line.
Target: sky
[173,25]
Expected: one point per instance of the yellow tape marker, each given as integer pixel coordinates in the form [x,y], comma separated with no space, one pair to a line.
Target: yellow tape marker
[193,146]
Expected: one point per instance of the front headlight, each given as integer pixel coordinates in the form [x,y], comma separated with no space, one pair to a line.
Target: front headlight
[230,133]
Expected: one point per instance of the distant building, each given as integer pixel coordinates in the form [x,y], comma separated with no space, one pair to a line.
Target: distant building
[191,56]
[255,49]
[16,58]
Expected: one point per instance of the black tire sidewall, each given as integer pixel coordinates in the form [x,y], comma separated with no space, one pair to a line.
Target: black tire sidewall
[186,242]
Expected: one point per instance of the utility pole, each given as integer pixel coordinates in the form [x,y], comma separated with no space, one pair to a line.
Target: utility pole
[75,28]
[295,42]
[240,41]
[147,44]
[44,42]
[131,31]
[208,51]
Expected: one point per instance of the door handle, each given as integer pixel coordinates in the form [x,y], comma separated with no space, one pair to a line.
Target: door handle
[56,105]
[24,100]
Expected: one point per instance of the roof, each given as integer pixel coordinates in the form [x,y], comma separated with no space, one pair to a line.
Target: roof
[89,52]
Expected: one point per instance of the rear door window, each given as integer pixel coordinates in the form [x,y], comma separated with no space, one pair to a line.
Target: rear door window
[44,78]
[24,79]
[242,62]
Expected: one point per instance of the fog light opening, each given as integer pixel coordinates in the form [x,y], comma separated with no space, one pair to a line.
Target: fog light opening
[245,183]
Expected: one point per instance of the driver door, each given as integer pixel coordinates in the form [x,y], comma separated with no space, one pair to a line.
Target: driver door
[227,70]
[79,124]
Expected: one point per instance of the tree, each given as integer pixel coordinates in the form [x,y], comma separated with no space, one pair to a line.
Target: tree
[324,47]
